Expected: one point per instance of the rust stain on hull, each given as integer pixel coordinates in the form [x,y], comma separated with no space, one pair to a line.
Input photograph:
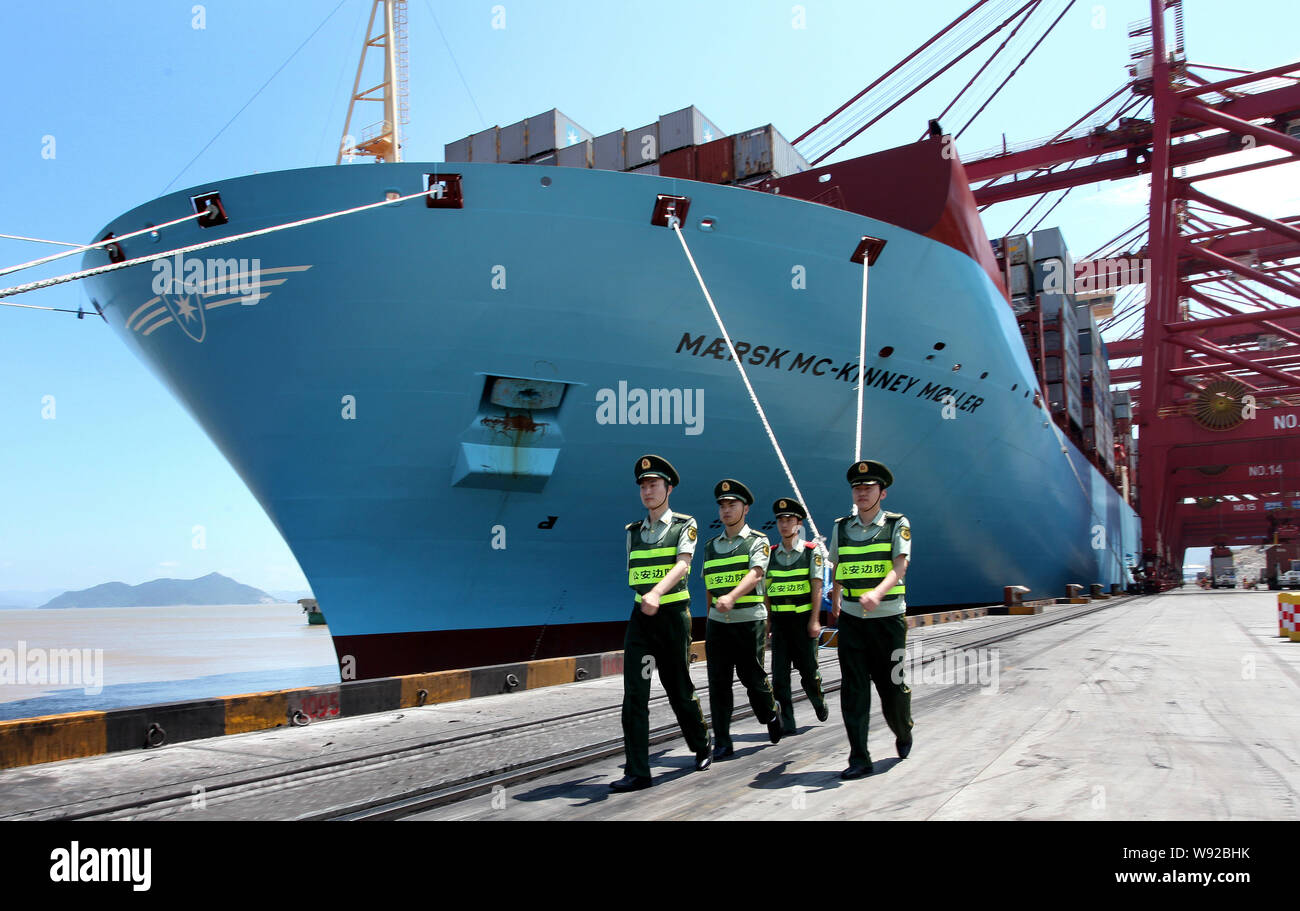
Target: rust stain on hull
[513,423]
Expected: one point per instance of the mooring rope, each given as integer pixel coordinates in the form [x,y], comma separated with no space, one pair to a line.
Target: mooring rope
[753,396]
[862,365]
[39,240]
[211,209]
[193,248]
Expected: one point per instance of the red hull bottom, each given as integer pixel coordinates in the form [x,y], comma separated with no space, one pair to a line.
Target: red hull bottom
[397,654]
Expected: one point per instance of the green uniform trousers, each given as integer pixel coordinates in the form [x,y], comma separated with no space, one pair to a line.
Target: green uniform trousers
[738,648]
[792,644]
[867,651]
[662,643]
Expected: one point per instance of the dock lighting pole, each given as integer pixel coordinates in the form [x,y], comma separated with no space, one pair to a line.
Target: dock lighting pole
[867,253]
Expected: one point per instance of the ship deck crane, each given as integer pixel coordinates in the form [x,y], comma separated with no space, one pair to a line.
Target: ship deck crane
[382,139]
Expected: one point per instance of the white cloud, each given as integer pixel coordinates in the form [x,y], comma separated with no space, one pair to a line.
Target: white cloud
[1273,192]
[1134,191]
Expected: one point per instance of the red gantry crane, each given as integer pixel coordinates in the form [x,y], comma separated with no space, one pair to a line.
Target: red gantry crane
[1213,291]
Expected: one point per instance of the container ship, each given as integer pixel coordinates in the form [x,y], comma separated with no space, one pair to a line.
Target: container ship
[439,401]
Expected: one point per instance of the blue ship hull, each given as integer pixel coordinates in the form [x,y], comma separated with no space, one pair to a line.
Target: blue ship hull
[437,529]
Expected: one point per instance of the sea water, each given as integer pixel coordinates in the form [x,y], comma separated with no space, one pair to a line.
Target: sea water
[81,659]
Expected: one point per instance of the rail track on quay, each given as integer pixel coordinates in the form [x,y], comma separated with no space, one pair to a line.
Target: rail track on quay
[436,770]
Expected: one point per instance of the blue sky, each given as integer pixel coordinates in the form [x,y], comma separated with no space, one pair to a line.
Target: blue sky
[107,105]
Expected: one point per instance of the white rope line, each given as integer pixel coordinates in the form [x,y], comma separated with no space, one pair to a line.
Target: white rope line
[99,270]
[862,363]
[52,309]
[753,397]
[39,240]
[104,243]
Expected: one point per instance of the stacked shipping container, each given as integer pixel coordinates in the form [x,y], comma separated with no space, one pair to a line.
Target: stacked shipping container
[1061,358]
[1064,344]
[763,153]
[1012,253]
[683,144]
[642,146]
[609,152]
[1053,266]
[1125,446]
[715,161]
[537,140]
[1097,396]
[684,129]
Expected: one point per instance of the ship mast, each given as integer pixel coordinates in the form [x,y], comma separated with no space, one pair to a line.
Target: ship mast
[381,140]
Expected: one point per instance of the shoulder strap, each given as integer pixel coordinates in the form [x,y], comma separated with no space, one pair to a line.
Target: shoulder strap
[840,528]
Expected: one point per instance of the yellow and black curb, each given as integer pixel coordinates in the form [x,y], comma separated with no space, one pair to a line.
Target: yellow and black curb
[1025,608]
[49,738]
[947,616]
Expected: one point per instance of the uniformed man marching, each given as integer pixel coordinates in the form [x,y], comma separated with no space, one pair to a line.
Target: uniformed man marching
[870,552]
[659,550]
[794,597]
[734,564]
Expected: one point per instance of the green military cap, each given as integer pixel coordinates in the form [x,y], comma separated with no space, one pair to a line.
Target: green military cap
[731,489]
[867,470]
[653,466]
[788,506]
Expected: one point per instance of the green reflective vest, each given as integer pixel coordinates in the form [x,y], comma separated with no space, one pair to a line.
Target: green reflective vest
[864,564]
[723,572]
[648,562]
[789,588]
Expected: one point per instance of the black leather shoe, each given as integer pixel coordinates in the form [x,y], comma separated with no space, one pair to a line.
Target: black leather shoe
[788,730]
[904,747]
[630,783]
[856,771]
[774,729]
[724,752]
[822,712]
[704,757]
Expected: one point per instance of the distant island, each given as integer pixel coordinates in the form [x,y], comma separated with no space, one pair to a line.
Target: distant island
[213,588]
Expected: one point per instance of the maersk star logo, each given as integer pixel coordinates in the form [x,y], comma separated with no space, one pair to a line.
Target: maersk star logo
[708,135]
[188,315]
[185,291]
[572,136]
